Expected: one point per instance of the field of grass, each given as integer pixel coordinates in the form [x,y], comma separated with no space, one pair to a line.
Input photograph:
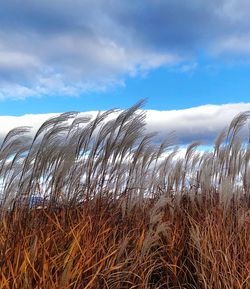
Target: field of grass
[118,210]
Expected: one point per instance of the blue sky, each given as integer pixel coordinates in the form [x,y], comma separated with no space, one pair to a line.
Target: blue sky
[87,55]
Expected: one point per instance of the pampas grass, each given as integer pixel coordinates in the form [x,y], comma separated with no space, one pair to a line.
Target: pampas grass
[116,210]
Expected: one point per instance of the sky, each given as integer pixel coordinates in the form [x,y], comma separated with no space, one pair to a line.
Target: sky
[189,59]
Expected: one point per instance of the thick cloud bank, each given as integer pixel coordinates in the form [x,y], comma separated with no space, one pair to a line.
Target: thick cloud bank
[201,123]
[67,47]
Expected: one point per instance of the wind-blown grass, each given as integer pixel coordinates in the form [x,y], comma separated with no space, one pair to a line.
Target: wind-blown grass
[117,210]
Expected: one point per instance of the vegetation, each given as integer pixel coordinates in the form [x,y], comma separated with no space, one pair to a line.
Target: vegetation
[117,210]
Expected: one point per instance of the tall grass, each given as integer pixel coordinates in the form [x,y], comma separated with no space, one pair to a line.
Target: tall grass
[119,211]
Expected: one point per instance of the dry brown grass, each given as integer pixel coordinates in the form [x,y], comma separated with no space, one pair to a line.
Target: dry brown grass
[188,244]
[120,212]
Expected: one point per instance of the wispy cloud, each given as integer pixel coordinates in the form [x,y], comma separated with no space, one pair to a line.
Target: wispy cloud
[68,47]
[202,123]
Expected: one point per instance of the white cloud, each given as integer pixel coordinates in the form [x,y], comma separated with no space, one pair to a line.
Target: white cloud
[198,123]
[70,64]
[237,44]
[16,59]
[70,47]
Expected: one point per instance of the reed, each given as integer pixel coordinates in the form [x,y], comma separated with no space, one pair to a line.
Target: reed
[95,203]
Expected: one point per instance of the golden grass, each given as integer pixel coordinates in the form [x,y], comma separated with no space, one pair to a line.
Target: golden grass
[188,245]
